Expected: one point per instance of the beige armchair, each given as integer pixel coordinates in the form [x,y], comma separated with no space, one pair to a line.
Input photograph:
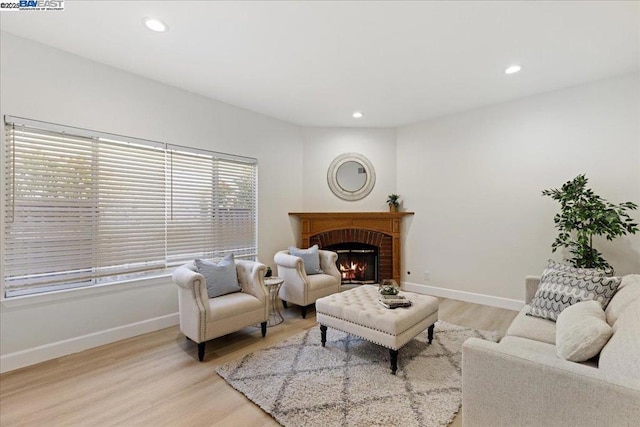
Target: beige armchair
[302,289]
[203,318]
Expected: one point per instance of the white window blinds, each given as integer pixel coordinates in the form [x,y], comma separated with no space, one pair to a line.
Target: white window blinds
[212,200]
[84,207]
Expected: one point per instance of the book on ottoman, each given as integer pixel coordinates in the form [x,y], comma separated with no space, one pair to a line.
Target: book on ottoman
[394,302]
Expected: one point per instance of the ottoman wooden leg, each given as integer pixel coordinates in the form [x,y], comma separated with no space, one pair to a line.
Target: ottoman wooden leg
[323,334]
[201,351]
[394,360]
[430,333]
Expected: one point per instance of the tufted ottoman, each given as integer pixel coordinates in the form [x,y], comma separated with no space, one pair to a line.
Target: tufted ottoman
[357,312]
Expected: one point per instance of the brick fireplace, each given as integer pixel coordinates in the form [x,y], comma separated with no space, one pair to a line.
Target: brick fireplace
[358,262]
[360,230]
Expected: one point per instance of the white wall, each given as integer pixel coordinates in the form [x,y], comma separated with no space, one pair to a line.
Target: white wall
[475,180]
[42,83]
[322,145]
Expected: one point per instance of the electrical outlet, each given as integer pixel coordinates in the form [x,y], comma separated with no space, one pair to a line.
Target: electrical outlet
[427,275]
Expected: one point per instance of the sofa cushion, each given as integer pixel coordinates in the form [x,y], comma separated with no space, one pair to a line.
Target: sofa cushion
[542,349]
[230,305]
[320,281]
[621,355]
[310,258]
[533,328]
[559,290]
[581,331]
[221,278]
[628,291]
[541,352]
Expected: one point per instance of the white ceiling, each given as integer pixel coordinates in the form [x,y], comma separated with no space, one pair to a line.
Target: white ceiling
[314,63]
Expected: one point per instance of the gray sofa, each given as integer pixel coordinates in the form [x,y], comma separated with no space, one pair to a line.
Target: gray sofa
[520,381]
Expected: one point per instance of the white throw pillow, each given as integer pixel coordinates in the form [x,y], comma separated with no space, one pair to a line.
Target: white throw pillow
[581,331]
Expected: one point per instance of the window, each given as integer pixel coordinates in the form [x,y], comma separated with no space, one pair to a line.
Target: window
[84,207]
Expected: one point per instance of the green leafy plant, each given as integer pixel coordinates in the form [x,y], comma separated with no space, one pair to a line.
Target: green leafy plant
[392,200]
[584,214]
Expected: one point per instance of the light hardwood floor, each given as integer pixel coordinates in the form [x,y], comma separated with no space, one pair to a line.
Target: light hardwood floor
[156,379]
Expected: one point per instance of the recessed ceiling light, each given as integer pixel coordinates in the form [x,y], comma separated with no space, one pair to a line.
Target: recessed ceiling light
[357,115]
[513,69]
[155,25]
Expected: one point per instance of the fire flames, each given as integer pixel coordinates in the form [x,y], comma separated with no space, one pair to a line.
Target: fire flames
[353,270]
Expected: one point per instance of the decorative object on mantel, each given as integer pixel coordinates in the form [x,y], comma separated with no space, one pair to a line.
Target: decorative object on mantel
[393,202]
[351,176]
[583,214]
[298,382]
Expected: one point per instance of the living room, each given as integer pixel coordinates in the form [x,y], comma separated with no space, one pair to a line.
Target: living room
[471,165]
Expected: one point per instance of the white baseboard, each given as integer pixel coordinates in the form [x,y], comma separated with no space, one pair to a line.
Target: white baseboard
[509,304]
[31,356]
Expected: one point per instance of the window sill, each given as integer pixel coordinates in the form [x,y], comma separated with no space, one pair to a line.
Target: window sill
[68,294]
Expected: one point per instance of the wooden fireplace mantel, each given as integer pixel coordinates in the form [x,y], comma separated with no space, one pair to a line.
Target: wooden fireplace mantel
[389,223]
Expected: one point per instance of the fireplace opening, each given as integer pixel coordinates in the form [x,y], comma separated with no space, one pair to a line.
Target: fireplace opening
[357,262]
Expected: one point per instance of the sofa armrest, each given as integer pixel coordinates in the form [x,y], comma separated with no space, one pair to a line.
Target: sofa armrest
[283,259]
[508,385]
[185,277]
[296,283]
[192,284]
[328,264]
[193,301]
[251,278]
[290,268]
[531,284]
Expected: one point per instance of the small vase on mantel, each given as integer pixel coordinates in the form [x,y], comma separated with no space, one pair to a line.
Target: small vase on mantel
[393,202]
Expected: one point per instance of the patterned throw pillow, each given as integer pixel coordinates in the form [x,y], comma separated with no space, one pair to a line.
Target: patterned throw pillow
[559,289]
[575,271]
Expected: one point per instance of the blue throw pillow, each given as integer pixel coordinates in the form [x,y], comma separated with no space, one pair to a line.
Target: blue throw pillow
[310,258]
[222,278]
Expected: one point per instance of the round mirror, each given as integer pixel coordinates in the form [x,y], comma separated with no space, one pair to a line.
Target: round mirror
[351,176]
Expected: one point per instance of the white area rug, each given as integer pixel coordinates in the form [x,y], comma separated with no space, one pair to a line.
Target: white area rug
[349,382]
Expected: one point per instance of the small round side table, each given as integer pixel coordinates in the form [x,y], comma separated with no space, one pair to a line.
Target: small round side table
[273,284]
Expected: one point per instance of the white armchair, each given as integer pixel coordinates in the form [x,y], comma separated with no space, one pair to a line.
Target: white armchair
[203,318]
[302,289]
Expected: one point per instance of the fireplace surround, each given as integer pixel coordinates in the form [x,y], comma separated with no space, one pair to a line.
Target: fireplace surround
[381,230]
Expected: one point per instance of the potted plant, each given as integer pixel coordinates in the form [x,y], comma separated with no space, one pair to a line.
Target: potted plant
[393,202]
[269,272]
[583,214]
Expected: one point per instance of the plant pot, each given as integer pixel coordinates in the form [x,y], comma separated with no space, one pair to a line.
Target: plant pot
[393,208]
